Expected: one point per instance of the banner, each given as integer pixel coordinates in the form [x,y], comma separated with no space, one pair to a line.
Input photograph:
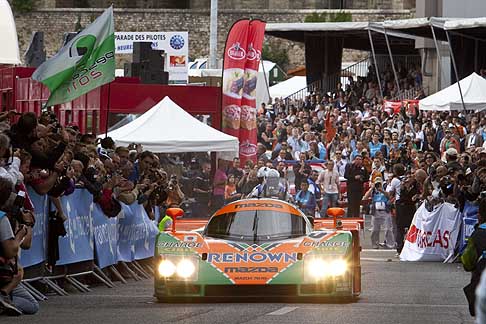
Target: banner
[432,235]
[105,237]
[392,107]
[248,124]
[145,243]
[78,243]
[175,45]
[38,251]
[136,232]
[83,64]
[234,78]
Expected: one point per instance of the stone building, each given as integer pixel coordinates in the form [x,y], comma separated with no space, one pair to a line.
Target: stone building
[55,17]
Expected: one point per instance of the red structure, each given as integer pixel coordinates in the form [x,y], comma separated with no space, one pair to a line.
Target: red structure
[122,96]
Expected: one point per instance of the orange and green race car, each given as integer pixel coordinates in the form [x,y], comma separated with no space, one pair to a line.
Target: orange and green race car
[257,247]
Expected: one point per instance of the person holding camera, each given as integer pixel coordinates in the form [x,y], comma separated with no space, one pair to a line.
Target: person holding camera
[15,233]
[381,214]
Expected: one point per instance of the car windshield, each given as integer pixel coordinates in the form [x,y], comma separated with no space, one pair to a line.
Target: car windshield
[256,225]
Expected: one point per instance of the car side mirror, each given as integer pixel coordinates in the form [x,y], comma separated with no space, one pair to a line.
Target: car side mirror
[174,213]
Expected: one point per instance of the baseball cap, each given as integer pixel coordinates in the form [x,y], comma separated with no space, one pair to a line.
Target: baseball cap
[378,180]
[451,151]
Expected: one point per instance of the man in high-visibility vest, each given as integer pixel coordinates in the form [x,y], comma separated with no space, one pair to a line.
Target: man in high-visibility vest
[165,223]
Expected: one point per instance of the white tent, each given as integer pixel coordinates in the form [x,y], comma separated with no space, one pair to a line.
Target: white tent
[8,36]
[167,128]
[288,87]
[473,90]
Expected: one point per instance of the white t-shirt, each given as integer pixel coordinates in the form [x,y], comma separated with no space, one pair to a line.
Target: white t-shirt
[395,187]
[327,180]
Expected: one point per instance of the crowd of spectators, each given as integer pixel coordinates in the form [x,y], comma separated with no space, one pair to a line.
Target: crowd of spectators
[39,154]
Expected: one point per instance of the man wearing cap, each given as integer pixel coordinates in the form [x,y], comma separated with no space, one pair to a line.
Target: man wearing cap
[449,141]
[451,159]
[381,214]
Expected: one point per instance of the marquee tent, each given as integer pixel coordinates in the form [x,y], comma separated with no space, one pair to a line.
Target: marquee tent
[167,128]
[473,90]
[8,37]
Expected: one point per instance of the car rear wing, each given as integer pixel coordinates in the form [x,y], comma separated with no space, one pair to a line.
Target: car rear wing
[190,224]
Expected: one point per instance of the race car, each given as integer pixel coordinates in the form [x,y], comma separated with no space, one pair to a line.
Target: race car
[256,247]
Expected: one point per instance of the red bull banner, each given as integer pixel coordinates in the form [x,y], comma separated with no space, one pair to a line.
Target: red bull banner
[248,123]
[233,76]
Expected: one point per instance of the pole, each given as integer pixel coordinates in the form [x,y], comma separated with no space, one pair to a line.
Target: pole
[213,36]
[455,69]
[266,80]
[107,111]
[391,60]
[374,60]
[439,71]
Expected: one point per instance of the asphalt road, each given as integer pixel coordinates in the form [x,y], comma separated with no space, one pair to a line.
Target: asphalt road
[393,292]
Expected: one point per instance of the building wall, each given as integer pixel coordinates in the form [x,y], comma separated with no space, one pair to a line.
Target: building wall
[54,22]
[232,4]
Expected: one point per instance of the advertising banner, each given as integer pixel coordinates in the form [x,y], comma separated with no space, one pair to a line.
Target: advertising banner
[78,243]
[105,237]
[234,77]
[248,124]
[145,243]
[136,234]
[38,251]
[175,45]
[433,234]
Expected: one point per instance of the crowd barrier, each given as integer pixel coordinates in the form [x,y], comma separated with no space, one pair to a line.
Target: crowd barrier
[91,236]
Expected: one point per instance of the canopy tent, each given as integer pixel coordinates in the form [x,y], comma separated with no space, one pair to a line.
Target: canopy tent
[473,90]
[167,128]
[354,35]
[288,87]
[8,37]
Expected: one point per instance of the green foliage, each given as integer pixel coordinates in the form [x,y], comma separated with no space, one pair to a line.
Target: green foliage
[23,6]
[329,17]
[276,55]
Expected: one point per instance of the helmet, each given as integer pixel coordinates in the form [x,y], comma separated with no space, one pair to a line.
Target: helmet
[272,181]
[262,172]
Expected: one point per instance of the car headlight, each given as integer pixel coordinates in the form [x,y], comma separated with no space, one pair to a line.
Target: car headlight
[317,268]
[185,268]
[166,268]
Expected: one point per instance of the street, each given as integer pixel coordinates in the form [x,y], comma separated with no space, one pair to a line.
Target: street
[393,292]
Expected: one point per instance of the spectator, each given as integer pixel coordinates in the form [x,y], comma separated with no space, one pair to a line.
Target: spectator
[306,199]
[381,214]
[219,183]
[356,175]
[202,192]
[330,185]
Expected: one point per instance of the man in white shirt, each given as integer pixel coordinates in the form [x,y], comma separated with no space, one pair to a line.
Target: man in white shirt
[9,169]
[329,182]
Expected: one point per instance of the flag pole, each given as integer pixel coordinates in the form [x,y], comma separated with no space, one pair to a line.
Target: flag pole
[108,110]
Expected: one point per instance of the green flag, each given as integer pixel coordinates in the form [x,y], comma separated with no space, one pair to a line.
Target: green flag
[85,63]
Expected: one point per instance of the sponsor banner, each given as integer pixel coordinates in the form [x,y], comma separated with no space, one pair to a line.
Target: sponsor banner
[175,45]
[136,232]
[38,251]
[392,107]
[233,76]
[78,243]
[432,235]
[105,237]
[248,125]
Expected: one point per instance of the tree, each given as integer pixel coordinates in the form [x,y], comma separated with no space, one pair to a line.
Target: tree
[22,6]
[276,55]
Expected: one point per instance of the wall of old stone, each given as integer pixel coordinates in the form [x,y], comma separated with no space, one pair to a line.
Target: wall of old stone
[54,22]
